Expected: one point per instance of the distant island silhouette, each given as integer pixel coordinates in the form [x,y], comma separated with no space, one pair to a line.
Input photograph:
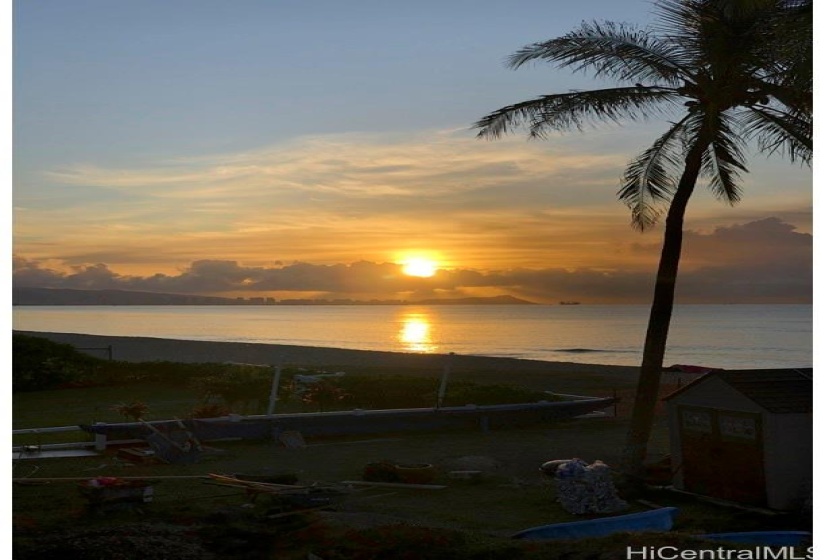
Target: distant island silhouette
[66,296]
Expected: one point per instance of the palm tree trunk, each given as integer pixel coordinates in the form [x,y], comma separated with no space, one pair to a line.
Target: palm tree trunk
[647,390]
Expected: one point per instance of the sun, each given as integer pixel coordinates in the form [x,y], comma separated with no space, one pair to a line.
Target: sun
[419,266]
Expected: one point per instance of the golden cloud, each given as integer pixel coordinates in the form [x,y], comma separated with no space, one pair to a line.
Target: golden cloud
[344,197]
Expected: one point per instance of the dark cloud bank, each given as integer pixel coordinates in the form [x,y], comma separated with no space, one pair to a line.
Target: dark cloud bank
[765,261]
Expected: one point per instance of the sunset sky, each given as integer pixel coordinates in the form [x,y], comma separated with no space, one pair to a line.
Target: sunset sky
[309,148]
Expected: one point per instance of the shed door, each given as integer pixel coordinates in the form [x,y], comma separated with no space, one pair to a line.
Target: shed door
[722,454]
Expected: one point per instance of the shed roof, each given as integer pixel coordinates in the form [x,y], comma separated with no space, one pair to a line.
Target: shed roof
[782,391]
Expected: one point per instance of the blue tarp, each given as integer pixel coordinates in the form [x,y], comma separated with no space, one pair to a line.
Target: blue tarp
[654,520]
[765,538]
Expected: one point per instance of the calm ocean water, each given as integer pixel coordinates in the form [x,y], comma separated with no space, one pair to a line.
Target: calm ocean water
[726,336]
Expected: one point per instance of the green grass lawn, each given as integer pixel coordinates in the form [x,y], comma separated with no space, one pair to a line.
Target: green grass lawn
[513,495]
[62,407]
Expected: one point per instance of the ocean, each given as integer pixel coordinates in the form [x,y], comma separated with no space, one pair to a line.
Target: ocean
[720,336]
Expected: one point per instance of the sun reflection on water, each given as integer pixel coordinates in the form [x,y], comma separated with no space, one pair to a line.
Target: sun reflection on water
[416,333]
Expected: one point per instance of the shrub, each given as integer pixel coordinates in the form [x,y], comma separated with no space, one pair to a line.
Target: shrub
[171,374]
[135,410]
[414,392]
[461,393]
[393,391]
[210,410]
[39,364]
[323,394]
[238,386]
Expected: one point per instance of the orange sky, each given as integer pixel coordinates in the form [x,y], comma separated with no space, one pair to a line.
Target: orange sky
[339,199]
[136,161]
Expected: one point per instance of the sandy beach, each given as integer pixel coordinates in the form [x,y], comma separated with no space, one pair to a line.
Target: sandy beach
[560,376]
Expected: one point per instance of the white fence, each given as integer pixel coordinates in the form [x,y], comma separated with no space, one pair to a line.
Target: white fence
[99,444]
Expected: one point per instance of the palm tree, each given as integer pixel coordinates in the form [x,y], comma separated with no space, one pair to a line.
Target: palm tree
[731,74]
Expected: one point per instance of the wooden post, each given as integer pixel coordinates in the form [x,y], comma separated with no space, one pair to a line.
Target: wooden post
[442,390]
[484,424]
[273,394]
[100,439]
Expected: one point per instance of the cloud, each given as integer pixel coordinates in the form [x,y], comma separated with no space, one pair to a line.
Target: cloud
[327,198]
[342,198]
[353,166]
[765,260]
[776,241]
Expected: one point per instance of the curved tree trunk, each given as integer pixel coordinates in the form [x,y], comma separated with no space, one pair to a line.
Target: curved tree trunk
[647,391]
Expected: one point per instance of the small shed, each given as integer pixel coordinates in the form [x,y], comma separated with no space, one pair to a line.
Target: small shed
[744,436]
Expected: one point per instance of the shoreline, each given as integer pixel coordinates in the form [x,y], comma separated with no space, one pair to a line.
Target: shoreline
[566,376]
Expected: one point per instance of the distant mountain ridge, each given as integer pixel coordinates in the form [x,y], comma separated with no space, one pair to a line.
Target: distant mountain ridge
[493,300]
[66,296]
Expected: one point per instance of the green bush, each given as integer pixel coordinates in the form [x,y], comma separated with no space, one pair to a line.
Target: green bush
[39,363]
[323,394]
[210,410]
[173,374]
[134,411]
[395,391]
[463,392]
[239,387]
[392,391]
